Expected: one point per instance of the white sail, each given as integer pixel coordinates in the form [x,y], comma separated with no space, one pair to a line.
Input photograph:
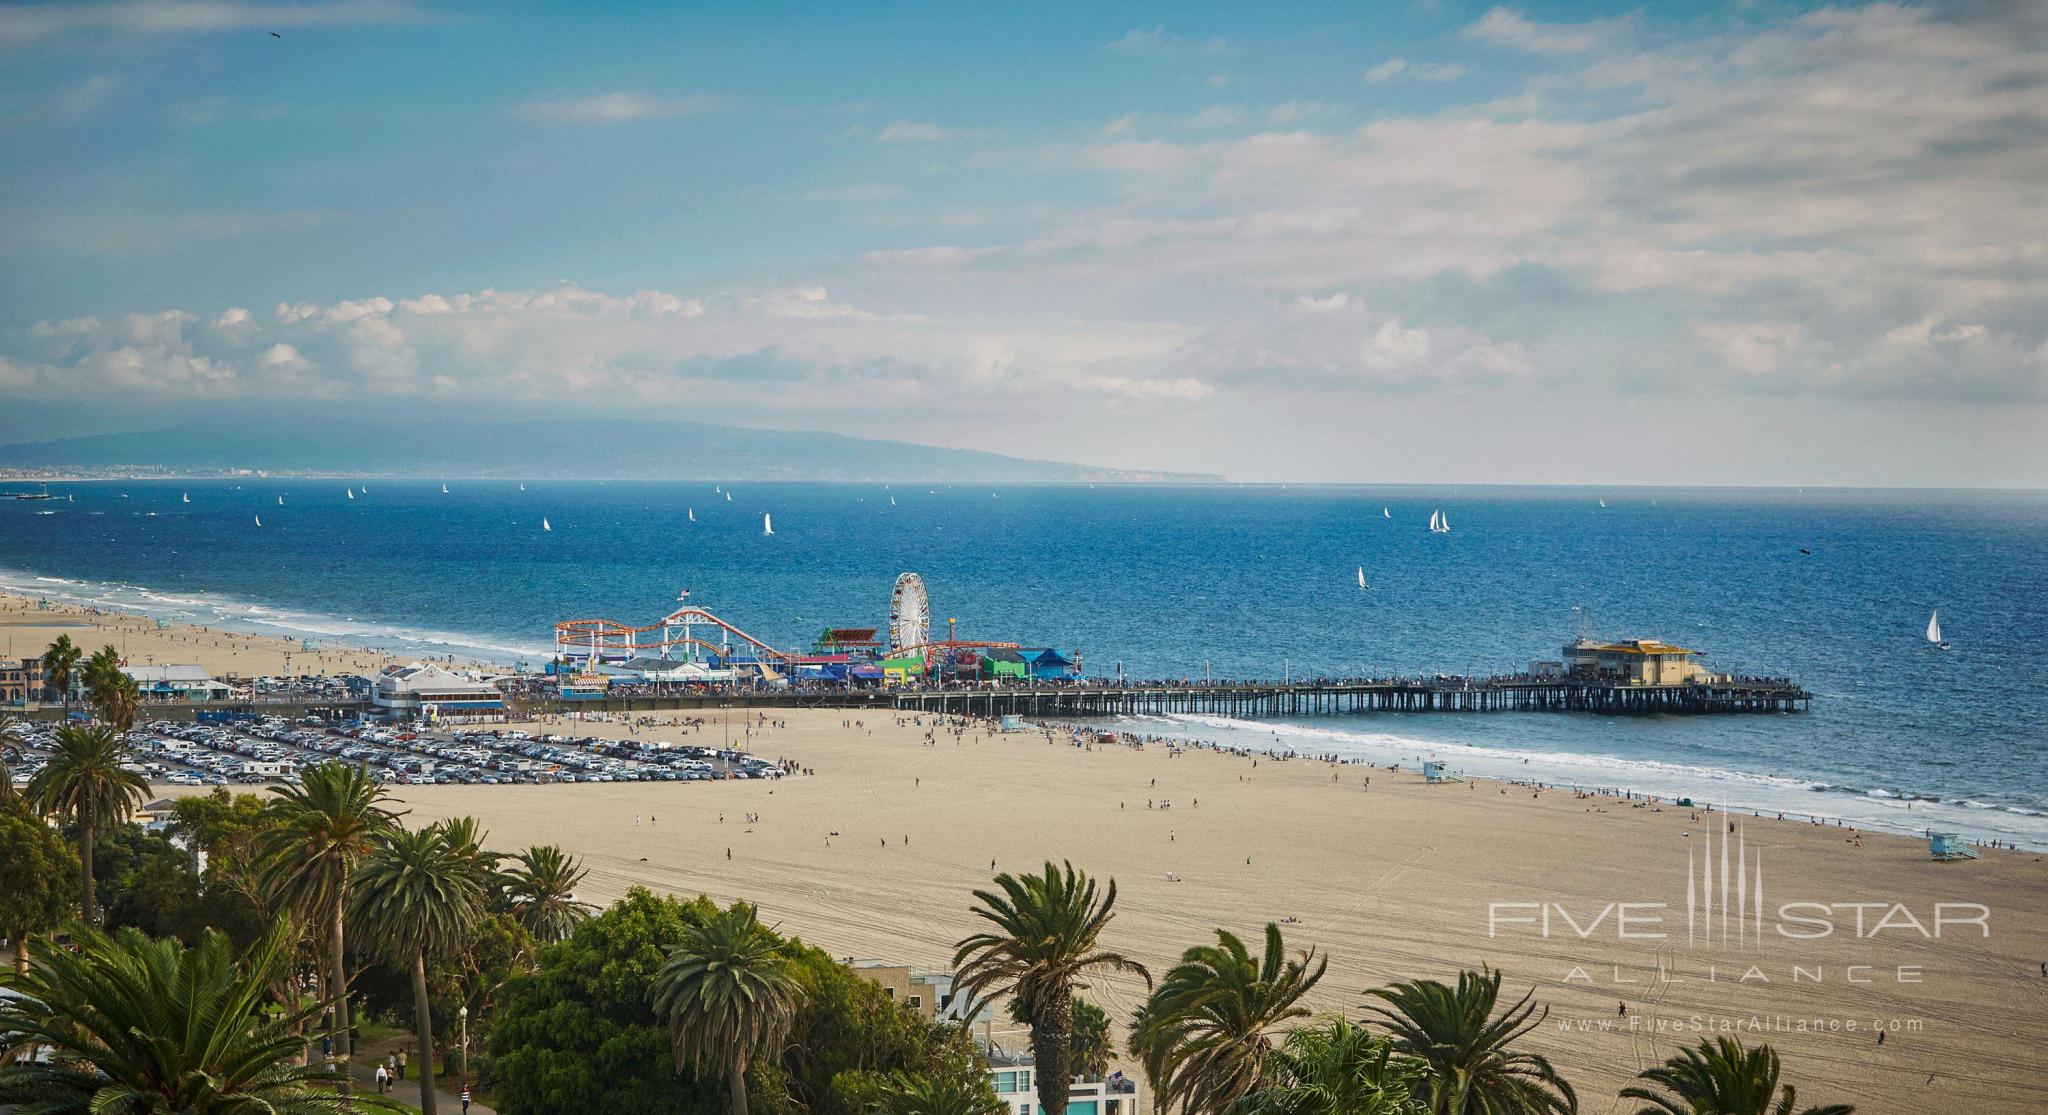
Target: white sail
[351,493]
[892,501]
[444,489]
[188,497]
[728,497]
[1361,576]
[280,501]
[1447,524]
[693,514]
[1603,503]
[1386,513]
[259,520]
[522,487]
[767,524]
[1436,522]
[544,525]
[1934,626]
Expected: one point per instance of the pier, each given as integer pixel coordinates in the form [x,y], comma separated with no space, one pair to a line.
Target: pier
[1256,700]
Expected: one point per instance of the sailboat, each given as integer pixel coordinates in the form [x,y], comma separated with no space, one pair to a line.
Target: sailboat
[1934,630]
[1386,513]
[259,520]
[892,501]
[767,525]
[444,489]
[280,501]
[728,497]
[351,493]
[188,497]
[715,489]
[1439,523]
[544,524]
[522,487]
[693,514]
[1361,578]
[1603,503]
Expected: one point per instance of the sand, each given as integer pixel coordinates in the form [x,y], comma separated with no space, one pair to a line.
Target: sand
[26,630]
[1392,882]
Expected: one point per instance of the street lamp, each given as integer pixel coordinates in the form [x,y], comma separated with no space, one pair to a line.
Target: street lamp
[463,1015]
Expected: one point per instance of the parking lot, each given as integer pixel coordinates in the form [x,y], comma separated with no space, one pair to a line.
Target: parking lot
[257,751]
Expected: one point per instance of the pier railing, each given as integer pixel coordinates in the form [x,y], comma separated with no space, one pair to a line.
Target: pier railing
[1253,700]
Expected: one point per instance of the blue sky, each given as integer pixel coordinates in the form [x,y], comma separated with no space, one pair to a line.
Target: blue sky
[1432,241]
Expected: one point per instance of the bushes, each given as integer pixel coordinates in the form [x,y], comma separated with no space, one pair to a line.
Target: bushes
[580,1033]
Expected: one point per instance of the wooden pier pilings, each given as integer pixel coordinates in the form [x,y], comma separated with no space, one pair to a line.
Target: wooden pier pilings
[1252,700]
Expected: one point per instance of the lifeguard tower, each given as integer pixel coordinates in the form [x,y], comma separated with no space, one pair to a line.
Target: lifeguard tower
[1435,772]
[1947,846]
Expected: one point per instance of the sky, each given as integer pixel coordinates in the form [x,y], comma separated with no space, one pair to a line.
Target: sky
[1712,243]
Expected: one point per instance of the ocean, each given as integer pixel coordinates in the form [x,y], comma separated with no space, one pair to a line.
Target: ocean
[1179,582]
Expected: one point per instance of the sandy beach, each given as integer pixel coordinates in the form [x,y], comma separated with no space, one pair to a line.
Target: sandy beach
[876,854]
[27,629]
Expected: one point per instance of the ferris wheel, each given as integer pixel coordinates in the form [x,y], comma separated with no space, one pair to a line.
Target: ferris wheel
[910,613]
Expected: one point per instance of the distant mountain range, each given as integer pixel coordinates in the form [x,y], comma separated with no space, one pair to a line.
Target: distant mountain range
[581,448]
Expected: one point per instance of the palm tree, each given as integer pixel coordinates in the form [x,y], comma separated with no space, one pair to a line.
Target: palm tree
[84,786]
[59,662]
[1720,1077]
[1336,1069]
[419,895]
[1091,1042]
[903,1094]
[9,753]
[1465,1046]
[1203,1034]
[729,992]
[541,891]
[140,1026]
[1045,937]
[327,823]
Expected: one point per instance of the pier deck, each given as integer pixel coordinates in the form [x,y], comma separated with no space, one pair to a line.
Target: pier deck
[1252,700]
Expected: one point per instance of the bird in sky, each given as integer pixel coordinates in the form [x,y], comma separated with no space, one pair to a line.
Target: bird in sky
[275,35]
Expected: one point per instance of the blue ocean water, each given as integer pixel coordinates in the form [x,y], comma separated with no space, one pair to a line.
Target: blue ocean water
[1176,581]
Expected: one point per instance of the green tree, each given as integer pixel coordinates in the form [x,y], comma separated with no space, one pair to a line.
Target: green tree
[84,786]
[541,892]
[40,883]
[1466,1047]
[60,662]
[113,695]
[418,896]
[1203,1035]
[151,1026]
[923,1095]
[1045,939]
[327,823]
[729,992]
[1336,1068]
[580,1033]
[1721,1077]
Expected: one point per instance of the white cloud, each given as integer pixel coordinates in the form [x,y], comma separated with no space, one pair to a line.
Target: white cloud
[1157,40]
[30,22]
[1508,28]
[1416,71]
[619,108]
[911,131]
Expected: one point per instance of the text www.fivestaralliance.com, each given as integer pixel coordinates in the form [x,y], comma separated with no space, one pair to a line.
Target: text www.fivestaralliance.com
[1740,1024]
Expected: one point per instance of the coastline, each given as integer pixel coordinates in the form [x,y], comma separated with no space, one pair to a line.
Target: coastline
[874,856]
[237,641]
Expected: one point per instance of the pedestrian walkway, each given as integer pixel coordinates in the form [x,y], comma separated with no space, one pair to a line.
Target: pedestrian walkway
[407,1091]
